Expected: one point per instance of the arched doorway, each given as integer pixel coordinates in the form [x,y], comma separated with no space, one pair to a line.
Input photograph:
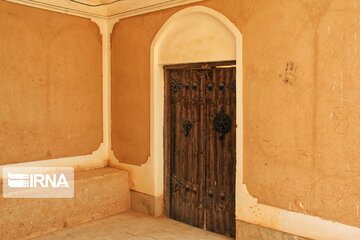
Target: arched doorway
[196,34]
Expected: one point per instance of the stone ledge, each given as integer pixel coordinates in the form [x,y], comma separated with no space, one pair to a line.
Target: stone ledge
[98,193]
[248,231]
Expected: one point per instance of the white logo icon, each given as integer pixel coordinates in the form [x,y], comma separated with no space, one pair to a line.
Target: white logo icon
[18,180]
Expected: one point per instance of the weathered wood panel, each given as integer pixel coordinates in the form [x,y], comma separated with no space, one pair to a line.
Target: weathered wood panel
[221,150]
[200,145]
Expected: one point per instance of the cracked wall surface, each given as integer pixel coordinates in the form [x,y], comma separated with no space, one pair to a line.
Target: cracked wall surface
[50,85]
[300,100]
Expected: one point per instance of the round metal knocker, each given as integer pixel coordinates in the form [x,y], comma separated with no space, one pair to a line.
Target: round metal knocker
[222,124]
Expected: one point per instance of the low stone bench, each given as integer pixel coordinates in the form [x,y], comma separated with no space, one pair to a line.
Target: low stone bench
[98,193]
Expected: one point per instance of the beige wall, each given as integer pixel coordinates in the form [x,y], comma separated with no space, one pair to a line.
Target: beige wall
[301,120]
[50,85]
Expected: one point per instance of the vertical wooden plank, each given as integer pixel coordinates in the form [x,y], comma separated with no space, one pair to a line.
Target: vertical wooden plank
[220,160]
[184,153]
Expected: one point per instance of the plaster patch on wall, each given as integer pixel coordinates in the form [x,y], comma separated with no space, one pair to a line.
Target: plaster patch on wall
[43,64]
[205,41]
[336,165]
[99,157]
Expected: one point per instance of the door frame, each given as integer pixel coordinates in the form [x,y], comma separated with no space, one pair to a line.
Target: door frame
[167,118]
[155,167]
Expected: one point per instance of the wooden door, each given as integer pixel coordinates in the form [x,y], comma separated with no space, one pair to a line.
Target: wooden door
[200,145]
[220,148]
[186,135]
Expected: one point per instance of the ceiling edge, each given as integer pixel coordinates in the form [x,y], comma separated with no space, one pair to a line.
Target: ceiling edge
[153,8]
[55,8]
[91,15]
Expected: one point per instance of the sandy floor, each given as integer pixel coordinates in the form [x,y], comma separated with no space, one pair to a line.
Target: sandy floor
[131,226]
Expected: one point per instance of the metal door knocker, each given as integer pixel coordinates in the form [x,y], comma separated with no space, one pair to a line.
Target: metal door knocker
[187,125]
[222,123]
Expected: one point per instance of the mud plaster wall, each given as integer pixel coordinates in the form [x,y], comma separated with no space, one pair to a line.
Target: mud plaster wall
[50,85]
[301,98]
